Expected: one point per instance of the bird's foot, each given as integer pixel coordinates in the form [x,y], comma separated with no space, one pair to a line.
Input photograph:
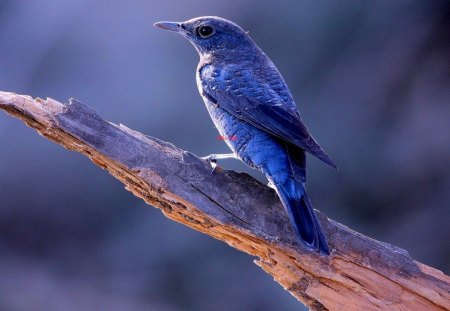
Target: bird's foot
[212,159]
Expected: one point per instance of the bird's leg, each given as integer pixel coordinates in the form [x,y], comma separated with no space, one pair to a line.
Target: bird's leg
[215,157]
[212,158]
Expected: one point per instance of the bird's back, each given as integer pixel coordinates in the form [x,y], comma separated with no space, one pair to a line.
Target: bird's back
[253,90]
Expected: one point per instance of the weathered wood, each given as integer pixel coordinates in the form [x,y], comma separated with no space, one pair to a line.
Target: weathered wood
[360,274]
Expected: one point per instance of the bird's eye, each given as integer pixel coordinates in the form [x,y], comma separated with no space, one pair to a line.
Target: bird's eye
[205,31]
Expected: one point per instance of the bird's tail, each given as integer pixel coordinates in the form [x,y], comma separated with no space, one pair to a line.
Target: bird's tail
[293,196]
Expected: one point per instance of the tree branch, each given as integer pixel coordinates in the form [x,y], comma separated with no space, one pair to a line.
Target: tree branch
[360,274]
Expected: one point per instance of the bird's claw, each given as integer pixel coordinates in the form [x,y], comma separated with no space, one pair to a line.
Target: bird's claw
[213,165]
[212,160]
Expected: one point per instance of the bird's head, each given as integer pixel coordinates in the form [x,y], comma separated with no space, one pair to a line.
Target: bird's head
[212,35]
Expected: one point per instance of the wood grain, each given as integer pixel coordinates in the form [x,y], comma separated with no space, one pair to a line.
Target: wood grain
[360,274]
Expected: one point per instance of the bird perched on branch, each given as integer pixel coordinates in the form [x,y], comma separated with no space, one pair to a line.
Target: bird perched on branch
[248,99]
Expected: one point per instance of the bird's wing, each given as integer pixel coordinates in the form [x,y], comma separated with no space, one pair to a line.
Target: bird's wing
[239,93]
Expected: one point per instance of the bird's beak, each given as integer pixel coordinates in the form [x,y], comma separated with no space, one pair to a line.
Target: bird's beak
[172,26]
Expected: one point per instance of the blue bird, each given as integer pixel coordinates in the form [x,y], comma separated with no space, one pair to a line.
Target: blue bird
[249,101]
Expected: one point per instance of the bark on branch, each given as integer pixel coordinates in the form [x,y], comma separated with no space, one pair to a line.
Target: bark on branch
[360,274]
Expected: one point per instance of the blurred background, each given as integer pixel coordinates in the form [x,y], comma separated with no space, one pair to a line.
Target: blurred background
[371,78]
